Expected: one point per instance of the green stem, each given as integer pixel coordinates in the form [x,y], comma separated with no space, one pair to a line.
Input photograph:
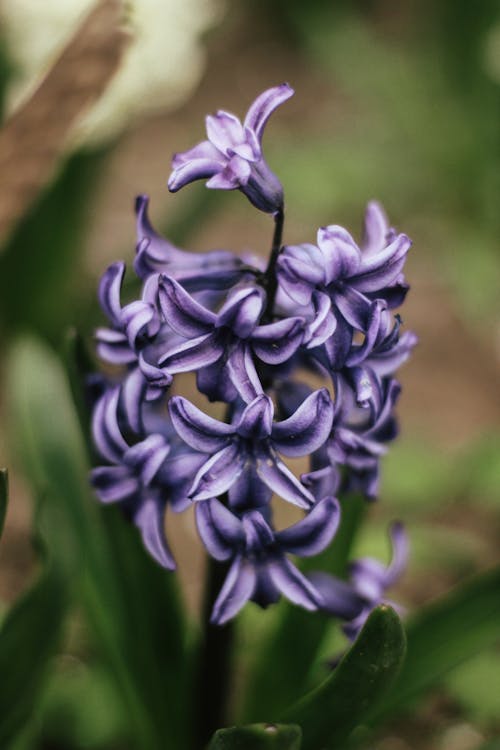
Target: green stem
[270,280]
[213,666]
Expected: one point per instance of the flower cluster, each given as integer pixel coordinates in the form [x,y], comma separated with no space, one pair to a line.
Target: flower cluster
[253,334]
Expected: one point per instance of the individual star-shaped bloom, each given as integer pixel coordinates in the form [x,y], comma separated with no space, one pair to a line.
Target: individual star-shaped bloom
[353,600]
[359,436]
[364,364]
[232,156]
[216,269]
[253,442]
[221,346]
[349,276]
[132,341]
[259,569]
[142,477]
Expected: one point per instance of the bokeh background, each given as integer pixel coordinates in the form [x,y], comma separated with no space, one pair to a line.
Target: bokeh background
[394,101]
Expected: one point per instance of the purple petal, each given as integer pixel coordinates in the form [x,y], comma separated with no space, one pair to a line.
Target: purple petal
[339,598]
[220,530]
[376,323]
[312,534]
[382,269]
[308,428]
[322,482]
[300,269]
[293,584]
[132,396]
[324,324]
[193,355]
[400,551]
[109,291]
[201,432]
[242,310]
[354,306]
[148,456]
[224,131]
[236,591]
[113,483]
[135,318]
[265,104]
[182,313]
[338,346]
[280,479]
[113,347]
[375,230]
[242,372]
[257,419]
[105,430]
[278,342]
[387,362]
[150,520]
[217,474]
[194,169]
[341,254]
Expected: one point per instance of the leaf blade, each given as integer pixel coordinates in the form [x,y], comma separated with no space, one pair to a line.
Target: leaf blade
[347,698]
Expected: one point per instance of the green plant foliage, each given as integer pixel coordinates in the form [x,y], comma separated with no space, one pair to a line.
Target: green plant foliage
[476,686]
[446,633]
[258,737]
[4,496]
[29,638]
[131,603]
[298,632]
[355,688]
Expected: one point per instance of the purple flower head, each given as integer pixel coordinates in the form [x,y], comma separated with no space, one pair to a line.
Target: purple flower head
[232,156]
[221,346]
[132,342]
[349,276]
[369,580]
[252,444]
[259,569]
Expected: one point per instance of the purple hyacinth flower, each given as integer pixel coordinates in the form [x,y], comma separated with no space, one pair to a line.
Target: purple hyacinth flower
[252,443]
[232,156]
[259,569]
[142,477]
[132,342]
[369,580]
[216,269]
[359,436]
[349,276]
[221,346]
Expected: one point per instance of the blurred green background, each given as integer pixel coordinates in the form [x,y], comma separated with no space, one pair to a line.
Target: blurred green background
[394,101]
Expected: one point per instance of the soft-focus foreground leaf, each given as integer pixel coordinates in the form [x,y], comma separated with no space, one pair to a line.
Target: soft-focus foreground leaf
[131,603]
[4,496]
[356,687]
[258,737]
[446,633]
[298,633]
[28,639]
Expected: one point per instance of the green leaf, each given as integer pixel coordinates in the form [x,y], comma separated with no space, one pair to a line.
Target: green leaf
[446,633]
[49,241]
[298,632]
[258,737]
[355,688]
[131,603]
[28,639]
[4,497]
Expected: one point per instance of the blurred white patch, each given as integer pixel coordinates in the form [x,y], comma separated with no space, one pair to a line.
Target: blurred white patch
[163,63]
